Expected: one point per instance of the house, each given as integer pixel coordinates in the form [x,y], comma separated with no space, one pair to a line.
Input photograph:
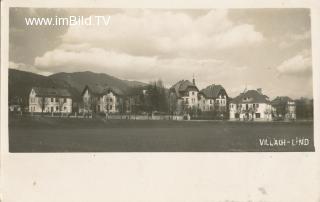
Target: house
[16,104]
[251,105]
[213,97]
[284,108]
[183,96]
[51,100]
[101,99]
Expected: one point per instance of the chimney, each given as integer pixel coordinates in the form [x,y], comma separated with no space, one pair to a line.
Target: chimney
[259,90]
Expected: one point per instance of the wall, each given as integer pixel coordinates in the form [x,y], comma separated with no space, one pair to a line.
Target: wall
[104,103]
[262,109]
[35,104]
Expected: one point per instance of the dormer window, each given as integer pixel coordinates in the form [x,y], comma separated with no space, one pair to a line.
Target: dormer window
[246,99]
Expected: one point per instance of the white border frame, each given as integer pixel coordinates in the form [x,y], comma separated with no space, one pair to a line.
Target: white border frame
[160,176]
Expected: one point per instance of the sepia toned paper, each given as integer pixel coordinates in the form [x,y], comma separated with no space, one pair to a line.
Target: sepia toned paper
[196,101]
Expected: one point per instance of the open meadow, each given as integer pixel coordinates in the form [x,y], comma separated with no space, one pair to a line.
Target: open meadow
[45,134]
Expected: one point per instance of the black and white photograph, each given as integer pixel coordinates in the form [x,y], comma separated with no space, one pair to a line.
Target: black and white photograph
[160,101]
[160,80]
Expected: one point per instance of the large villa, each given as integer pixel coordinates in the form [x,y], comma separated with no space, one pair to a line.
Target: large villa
[184,97]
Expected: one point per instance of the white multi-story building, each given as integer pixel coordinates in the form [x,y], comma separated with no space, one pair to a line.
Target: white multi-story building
[51,100]
[184,96]
[251,105]
[213,98]
[101,99]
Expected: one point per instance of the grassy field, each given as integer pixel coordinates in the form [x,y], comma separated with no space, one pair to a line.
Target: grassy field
[37,134]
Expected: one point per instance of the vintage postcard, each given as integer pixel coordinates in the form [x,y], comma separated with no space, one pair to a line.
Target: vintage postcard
[160,80]
[198,81]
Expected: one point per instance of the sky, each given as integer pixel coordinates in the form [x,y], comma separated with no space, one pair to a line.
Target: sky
[237,48]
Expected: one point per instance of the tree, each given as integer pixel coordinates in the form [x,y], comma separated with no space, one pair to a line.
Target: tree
[304,108]
[61,102]
[43,102]
[172,103]
[156,98]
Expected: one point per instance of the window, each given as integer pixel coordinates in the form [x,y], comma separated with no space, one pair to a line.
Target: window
[57,99]
[187,100]
[192,93]
[257,105]
[65,108]
[51,99]
[237,115]
[247,106]
[64,100]
[210,101]
[258,115]
[110,107]
[57,108]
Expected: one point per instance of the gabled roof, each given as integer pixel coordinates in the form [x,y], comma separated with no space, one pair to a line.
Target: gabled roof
[99,90]
[182,86]
[250,96]
[51,92]
[212,91]
[115,91]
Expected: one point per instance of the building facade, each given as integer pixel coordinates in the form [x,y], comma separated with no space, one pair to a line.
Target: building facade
[213,98]
[284,108]
[50,100]
[183,96]
[97,99]
[251,105]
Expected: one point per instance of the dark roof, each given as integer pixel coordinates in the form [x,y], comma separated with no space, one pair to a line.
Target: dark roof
[212,91]
[51,92]
[182,86]
[250,96]
[98,90]
[281,99]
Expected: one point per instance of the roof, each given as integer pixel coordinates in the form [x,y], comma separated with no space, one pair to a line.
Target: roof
[212,91]
[250,96]
[51,92]
[100,90]
[281,99]
[182,86]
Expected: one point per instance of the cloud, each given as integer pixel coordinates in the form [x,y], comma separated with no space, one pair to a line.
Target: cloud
[150,44]
[293,39]
[143,68]
[298,65]
[26,67]
[166,33]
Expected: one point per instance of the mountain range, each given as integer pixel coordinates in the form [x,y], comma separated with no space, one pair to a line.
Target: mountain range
[21,82]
